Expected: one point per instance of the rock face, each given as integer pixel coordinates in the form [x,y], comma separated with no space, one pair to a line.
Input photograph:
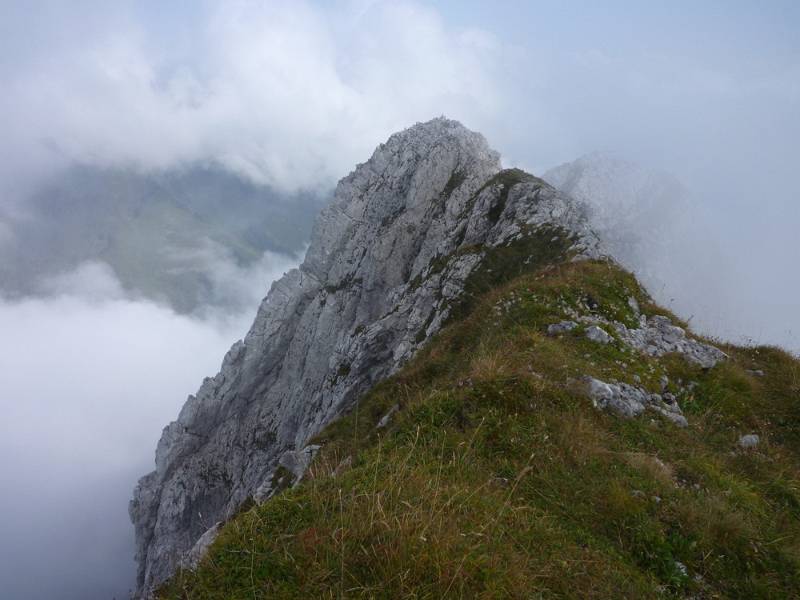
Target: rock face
[405,234]
[200,548]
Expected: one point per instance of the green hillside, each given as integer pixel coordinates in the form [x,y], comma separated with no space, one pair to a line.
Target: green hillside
[164,234]
[497,478]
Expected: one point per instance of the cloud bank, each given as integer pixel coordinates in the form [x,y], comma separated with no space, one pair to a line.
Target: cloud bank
[89,378]
[287,93]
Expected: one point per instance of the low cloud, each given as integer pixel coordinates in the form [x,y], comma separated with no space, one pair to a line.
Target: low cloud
[287,93]
[230,287]
[89,378]
[6,234]
[90,282]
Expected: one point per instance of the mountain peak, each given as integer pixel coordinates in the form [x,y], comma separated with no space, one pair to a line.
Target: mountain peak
[441,144]
[410,237]
[406,175]
[441,130]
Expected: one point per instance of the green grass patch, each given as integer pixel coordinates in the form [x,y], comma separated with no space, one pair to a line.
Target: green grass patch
[498,479]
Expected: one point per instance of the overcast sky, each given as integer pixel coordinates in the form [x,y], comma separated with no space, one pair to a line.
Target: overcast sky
[295,94]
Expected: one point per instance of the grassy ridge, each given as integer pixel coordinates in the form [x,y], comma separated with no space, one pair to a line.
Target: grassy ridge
[497,478]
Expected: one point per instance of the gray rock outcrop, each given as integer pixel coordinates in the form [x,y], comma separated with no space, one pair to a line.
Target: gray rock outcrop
[657,336]
[630,401]
[386,419]
[389,261]
[598,334]
[297,461]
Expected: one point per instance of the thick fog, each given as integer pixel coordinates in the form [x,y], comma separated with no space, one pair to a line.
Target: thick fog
[285,92]
[294,94]
[89,378]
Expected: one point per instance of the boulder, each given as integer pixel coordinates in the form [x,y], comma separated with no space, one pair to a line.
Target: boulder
[597,334]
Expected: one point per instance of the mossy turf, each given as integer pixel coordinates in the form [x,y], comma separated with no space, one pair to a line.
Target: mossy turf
[498,479]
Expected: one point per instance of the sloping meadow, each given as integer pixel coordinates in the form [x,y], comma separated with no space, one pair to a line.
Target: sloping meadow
[483,469]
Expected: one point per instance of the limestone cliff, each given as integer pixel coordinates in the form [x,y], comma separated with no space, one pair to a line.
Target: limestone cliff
[392,257]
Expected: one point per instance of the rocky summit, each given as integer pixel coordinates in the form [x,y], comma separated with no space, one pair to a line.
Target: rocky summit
[407,240]
[458,394]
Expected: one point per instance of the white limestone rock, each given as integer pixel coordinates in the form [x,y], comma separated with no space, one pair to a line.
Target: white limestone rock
[598,335]
[657,336]
[297,461]
[630,401]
